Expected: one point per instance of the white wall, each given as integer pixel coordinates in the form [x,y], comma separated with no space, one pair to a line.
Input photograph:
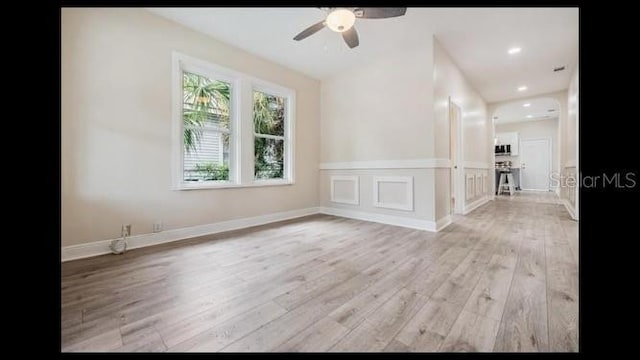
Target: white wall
[569,145]
[530,130]
[449,81]
[381,110]
[116,128]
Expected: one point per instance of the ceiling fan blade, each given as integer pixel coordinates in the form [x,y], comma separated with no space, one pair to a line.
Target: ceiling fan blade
[351,37]
[379,13]
[310,31]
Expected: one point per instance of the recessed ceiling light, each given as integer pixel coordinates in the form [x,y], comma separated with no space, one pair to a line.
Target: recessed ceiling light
[526,105]
[514,50]
[529,116]
[522,88]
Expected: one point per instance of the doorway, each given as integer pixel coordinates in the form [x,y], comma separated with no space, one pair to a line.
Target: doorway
[455,155]
[535,164]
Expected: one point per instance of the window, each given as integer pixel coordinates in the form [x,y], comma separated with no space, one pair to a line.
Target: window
[220,142]
[269,130]
[206,128]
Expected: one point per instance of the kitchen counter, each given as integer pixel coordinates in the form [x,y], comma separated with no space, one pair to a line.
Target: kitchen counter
[516,177]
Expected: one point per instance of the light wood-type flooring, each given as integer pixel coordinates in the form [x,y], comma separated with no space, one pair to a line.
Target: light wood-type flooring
[502,278]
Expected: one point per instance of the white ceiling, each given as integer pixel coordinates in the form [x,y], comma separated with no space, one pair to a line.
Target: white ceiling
[476,38]
[538,109]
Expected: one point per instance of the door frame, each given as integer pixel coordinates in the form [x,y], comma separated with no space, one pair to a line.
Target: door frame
[457,164]
[548,139]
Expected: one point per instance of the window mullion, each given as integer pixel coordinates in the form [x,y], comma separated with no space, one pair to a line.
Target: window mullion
[267,136]
[246,161]
[208,128]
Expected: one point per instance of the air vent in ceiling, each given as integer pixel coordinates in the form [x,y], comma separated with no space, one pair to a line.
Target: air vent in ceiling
[551,110]
[558,69]
[495,118]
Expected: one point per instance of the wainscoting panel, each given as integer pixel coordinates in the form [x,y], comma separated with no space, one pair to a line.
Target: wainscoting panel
[479,184]
[345,189]
[393,192]
[470,192]
[485,183]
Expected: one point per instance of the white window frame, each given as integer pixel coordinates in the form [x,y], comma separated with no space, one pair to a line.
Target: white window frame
[241,154]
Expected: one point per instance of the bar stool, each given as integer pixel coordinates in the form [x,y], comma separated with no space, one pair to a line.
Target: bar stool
[506,181]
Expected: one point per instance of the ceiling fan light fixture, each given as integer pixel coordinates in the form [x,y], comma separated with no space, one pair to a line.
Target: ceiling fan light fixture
[341,20]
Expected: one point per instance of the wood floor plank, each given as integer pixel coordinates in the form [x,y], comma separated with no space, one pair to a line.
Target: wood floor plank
[531,259]
[378,329]
[471,333]
[490,294]
[563,319]
[357,309]
[86,330]
[524,321]
[562,297]
[318,337]
[311,289]
[293,322]
[428,281]
[106,341]
[460,283]
[428,328]
[145,339]
[396,347]
[221,335]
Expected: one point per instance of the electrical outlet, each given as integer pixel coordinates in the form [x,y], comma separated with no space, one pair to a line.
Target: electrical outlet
[126,230]
[157,226]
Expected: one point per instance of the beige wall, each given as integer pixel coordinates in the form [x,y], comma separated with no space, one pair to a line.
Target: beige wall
[381,110]
[116,128]
[530,130]
[449,81]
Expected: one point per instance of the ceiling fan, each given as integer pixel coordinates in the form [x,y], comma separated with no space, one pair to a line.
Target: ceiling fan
[342,20]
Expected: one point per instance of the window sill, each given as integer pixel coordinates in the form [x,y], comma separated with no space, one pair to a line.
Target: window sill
[230,185]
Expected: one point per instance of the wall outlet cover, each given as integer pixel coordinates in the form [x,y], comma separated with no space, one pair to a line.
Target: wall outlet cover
[157,226]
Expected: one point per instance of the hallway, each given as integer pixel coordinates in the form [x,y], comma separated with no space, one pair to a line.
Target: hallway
[503,278]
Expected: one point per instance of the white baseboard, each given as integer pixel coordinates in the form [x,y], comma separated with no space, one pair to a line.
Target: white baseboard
[412,223]
[569,208]
[96,248]
[474,205]
[443,223]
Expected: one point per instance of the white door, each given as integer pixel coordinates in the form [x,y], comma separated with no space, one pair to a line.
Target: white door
[535,164]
